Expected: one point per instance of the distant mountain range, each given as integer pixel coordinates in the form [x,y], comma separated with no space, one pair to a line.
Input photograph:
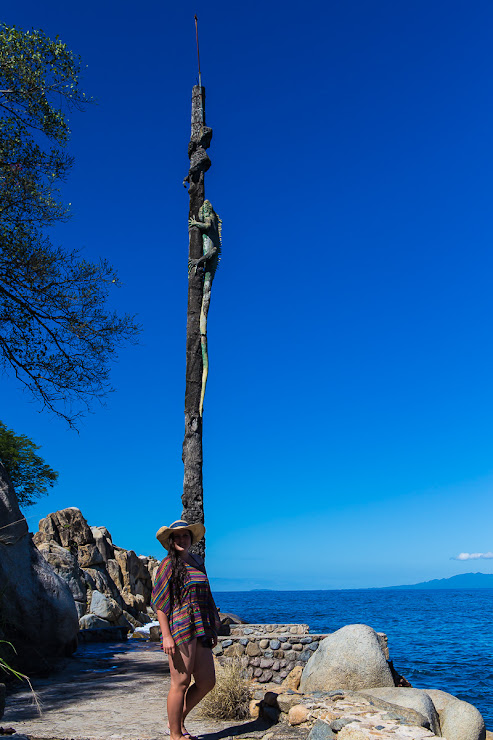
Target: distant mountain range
[465,580]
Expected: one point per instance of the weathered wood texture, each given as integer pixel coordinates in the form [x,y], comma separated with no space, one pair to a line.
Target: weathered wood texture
[193,497]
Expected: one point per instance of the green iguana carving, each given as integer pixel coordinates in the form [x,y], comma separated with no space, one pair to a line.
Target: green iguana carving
[209,224]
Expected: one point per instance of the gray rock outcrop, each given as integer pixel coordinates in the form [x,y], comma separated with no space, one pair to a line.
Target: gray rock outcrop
[38,612]
[66,565]
[351,658]
[410,698]
[446,715]
[103,542]
[91,621]
[440,698]
[459,720]
[105,607]
[106,581]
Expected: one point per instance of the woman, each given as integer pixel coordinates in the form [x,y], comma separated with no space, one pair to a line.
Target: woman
[189,622]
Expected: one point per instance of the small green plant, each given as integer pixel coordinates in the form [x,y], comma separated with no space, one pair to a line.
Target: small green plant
[6,668]
[230,697]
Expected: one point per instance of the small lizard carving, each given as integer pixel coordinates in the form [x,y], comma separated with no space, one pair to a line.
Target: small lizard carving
[210,225]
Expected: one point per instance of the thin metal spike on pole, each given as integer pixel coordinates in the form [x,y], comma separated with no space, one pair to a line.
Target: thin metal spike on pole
[198,52]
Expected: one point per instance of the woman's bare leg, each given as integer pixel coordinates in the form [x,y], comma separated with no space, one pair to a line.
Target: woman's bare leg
[181,666]
[204,676]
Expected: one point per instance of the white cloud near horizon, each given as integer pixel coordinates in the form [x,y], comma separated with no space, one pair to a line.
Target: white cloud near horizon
[474,556]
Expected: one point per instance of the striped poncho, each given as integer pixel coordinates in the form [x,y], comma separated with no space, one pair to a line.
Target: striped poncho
[195,615]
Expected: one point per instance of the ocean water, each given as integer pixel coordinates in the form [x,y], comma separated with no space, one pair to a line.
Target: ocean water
[438,639]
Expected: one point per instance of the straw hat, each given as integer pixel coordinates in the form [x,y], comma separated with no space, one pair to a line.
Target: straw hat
[196,530]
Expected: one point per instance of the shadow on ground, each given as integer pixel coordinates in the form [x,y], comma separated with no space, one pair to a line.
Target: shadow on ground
[92,671]
[248,728]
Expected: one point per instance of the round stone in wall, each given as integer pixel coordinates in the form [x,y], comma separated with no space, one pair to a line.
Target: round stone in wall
[234,651]
[297,714]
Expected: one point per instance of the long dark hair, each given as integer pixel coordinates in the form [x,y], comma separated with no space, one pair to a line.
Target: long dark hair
[179,575]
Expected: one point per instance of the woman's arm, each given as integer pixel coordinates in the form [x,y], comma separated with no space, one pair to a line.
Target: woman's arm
[168,642]
[160,602]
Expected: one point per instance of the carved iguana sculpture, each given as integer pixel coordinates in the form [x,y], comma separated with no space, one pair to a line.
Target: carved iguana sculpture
[209,224]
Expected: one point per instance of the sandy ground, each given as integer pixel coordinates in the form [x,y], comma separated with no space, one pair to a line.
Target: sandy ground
[109,692]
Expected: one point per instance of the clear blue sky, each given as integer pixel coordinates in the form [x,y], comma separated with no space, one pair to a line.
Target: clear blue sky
[348,418]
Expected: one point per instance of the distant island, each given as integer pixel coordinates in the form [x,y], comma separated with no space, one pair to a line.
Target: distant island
[465,580]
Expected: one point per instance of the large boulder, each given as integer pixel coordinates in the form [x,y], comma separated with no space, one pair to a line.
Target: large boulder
[91,621]
[67,527]
[38,611]
[98,579]
[105,607]
[351,658]
[410,698]
[65,564]
[459,720]
[137,585]
[115,573]
[103,541]
[89,556]
[440,698]
[99,573]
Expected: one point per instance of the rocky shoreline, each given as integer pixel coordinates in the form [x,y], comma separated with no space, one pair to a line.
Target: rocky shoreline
[319,687]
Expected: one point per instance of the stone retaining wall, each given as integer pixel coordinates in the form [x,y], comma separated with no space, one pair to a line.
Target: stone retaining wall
[267,629]
[268,651]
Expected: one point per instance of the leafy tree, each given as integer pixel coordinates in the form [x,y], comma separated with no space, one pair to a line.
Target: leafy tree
[57,333]
[29,473]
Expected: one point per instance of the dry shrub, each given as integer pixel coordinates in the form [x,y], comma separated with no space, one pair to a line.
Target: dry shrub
[230,697]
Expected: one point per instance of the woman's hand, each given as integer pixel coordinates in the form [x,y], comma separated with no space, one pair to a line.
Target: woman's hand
[217,627]
[169,646]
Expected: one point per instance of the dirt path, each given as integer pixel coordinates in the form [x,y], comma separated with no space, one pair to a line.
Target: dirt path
[108,692]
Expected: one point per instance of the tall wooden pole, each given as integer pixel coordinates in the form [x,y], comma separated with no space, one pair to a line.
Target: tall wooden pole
[193,495]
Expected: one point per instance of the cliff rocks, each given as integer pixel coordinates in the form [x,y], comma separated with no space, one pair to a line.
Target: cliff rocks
[107,582]
[37,607]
